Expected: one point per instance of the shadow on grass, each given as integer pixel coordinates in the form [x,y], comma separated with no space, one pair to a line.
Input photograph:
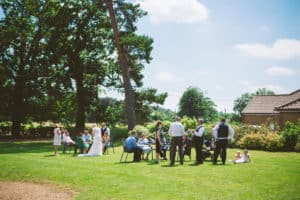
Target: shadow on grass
[168,165]
[25,147]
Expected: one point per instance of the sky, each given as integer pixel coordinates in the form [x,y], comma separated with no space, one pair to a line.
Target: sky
[225,48]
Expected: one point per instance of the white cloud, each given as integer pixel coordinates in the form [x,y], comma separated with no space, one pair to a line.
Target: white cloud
[167,76]
[279,71]
[250,87]
[178,11]
[280,50]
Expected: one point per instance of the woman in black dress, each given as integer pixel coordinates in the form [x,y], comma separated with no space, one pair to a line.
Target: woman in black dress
[160,140]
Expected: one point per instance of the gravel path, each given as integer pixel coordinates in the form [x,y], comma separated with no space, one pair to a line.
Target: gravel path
[29,191]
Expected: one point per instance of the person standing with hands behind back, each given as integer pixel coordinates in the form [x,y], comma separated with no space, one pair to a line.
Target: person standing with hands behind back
[198,141]
[176,131]
[222,133]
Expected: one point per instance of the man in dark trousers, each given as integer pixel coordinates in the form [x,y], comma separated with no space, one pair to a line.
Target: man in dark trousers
[198,141]
[131,146]
[222,133]
[176,131]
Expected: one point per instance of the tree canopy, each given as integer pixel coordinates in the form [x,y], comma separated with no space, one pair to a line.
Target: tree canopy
[55,55]
[194,104]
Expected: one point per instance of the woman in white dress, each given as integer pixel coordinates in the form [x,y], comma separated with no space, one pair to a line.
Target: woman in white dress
[96,148]
[56,139]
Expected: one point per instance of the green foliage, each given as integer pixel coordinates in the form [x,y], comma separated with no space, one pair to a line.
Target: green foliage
[119,133]
[159,113]
[107,110]
[297,147]
[194,104]
[144,98]
[291,134]
[152,126]
[264,91]
[270,141]
[189,123]
[241,102]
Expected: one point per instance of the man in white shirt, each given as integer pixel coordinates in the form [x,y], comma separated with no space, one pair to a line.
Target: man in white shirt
[222,133]
[198,141]
[176,131]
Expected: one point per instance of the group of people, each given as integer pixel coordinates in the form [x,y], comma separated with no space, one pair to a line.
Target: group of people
[221,133]
[90,144]
[142,146]
[100,140]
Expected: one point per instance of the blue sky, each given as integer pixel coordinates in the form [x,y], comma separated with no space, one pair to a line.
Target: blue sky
[225,48]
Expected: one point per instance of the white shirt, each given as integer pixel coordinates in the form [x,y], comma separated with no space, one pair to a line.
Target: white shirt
[200,131]
[176,129]
[230,132]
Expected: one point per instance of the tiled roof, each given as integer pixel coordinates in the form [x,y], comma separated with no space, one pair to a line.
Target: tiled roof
[267,103]
[294,105]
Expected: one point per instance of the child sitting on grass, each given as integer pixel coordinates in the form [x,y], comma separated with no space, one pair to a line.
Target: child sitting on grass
[244,159]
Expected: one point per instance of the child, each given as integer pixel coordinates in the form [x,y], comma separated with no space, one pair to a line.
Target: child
[237,155]
[244,159]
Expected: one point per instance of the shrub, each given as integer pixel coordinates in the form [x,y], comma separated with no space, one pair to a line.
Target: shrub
[141,129]
[189,123]
[297,147]
[273,142]
[251,141]
[270,141]
[291,133]
[119,133]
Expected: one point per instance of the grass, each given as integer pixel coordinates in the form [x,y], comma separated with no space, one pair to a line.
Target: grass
[271,175]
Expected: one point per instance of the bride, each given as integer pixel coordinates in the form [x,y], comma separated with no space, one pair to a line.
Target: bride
[96,148]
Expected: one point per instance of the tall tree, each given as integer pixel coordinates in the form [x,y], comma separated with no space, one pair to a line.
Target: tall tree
[193,103]
[133,50]
[129,98]
[241,102]
[23,37]
[78,37]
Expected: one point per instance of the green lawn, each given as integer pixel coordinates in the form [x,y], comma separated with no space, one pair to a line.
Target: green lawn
[269,176]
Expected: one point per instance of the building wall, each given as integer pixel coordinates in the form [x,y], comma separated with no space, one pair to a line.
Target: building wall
[288,116]
[280,119]
[259,119]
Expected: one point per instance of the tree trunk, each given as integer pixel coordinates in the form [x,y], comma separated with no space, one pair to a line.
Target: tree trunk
[129,97]
[18,108]
[80,95]
[18,96]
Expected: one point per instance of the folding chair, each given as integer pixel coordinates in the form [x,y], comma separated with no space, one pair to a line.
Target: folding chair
[125,151]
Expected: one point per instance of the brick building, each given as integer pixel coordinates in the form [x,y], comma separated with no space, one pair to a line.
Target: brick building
[270,109]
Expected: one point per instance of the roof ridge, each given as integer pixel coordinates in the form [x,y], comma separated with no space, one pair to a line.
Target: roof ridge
[286,104]
[292,93]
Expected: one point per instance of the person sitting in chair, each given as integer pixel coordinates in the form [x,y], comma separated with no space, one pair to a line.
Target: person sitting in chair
[131,146]
[144,143]
[67,141]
